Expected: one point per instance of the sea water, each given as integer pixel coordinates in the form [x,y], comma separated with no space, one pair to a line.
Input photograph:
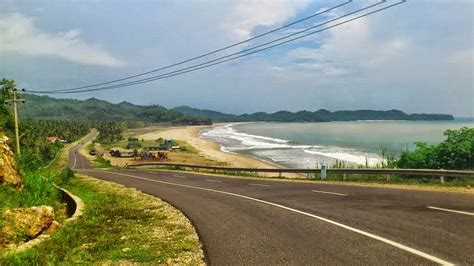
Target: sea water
[308,145]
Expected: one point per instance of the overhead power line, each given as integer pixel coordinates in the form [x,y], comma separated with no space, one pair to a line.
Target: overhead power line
[211,52]
[244,52]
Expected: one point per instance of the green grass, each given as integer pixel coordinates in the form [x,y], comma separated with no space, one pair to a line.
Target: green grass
[119,225]
[101,162]
[38,190]
[184,147]
[90,146]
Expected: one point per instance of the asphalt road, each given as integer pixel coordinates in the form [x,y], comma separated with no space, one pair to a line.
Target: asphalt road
[271,222]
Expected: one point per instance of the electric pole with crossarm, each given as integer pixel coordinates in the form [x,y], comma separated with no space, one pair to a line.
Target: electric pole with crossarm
[15,100]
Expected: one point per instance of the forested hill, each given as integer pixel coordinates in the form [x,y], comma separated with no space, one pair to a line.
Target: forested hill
[321,115]
[44,107]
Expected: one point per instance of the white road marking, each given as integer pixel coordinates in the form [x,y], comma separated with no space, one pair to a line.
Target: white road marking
[355,230]
[327,192]
[260,185]
[179,176]
[215,181]
[449,210]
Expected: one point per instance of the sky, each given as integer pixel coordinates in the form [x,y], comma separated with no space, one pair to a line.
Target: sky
[417,57]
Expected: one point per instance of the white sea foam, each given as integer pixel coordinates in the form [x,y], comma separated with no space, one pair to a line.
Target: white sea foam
[283,151]
[242,141]
[360,159]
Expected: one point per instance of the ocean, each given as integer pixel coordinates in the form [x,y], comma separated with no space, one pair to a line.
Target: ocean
[308,145]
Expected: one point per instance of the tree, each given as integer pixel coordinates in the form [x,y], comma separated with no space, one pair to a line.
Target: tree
[6,88]
[110,132]
[133,143]
[456,152]
[423,157]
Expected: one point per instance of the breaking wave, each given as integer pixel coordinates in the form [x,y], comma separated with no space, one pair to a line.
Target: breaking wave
[284,151]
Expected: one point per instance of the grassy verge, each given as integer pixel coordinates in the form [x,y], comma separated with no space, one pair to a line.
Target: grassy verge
[120,225]
[37,190]
[101,162]
[463,185]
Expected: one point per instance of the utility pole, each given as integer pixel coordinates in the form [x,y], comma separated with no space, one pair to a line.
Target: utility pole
[17,135]
[16,100]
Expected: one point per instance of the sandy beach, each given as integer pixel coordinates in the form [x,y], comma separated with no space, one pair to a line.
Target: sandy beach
[207,148]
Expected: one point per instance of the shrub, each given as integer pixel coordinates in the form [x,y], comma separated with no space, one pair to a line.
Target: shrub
[65,176]
[38,190]
[28,161]
[456,152]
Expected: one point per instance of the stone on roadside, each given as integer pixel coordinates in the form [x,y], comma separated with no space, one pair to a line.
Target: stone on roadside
[52,228]
[8,170]
[26,223]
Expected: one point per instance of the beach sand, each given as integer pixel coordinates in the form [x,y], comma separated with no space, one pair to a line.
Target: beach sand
[207,148]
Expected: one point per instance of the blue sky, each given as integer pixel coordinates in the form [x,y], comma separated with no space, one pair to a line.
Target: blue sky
[417,57]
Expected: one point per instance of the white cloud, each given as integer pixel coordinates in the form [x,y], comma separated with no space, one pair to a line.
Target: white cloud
[246,15]
[346,50]
[19,34]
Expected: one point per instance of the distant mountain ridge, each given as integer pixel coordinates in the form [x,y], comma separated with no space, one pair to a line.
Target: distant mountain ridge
[321,115]
[45,107]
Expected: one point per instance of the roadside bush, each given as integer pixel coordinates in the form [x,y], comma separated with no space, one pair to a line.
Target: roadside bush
[28,161]
[184,149]
[37,190]
[101,162]
[456,152]
[65,176]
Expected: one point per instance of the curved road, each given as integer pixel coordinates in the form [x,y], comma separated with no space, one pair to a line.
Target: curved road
[269,222]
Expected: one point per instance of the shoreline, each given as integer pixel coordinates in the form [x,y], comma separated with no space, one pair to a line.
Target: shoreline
[207,148]
[212,150]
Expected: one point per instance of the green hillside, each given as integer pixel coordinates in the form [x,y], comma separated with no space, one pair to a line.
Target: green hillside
[321,115]
[44,107]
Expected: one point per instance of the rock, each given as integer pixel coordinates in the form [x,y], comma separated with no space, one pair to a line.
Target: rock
[27,223]
[52,228]
[8,170]
[125,249]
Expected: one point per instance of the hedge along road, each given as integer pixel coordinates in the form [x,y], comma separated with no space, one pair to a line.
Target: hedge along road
[244,221]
